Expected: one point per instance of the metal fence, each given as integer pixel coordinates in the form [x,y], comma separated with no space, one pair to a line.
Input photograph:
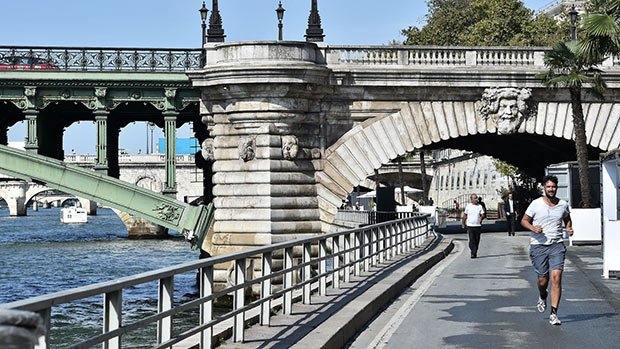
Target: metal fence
[100,59]
[336,257]
[370,217]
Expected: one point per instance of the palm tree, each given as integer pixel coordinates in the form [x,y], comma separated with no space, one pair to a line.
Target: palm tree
[602,28]
[569,67]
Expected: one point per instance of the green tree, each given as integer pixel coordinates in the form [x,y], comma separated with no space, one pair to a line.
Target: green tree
[569,67]
[484,23]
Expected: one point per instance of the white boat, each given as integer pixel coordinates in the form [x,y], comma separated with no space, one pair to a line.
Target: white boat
[73,214]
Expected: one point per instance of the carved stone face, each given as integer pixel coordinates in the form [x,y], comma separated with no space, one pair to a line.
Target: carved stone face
[247,149]
[508,107]
[207,149]
[508,116]
[289,147]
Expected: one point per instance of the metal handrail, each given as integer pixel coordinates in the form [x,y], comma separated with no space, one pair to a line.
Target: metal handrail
[350,252]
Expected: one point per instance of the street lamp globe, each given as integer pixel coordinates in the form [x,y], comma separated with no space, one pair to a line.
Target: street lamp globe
[203,12]
[280,12]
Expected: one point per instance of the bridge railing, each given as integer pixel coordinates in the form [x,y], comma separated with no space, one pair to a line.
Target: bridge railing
[109,59]
[340,255]
[429,56]
[183,59]
[370,217]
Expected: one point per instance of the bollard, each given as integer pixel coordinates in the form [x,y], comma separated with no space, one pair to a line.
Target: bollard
[20,329]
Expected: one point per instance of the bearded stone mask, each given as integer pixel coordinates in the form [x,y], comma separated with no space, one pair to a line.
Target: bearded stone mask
[509,107]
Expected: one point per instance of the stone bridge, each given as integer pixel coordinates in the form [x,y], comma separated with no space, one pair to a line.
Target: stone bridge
[297,126]
[293,127]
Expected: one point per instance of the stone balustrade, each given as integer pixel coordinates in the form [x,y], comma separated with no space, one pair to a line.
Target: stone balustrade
[381,56]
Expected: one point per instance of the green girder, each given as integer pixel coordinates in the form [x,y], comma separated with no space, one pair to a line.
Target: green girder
[192,221]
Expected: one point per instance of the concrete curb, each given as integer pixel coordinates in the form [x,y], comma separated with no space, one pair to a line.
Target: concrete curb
[341,327]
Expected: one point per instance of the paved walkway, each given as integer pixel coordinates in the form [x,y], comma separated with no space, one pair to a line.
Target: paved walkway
[489,302]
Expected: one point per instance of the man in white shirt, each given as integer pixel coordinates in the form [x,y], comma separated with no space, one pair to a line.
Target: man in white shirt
[544,218]
[471,219]
[511,214]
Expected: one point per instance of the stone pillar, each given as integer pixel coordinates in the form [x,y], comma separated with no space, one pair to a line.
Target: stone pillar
[170,131]
[266,127]
[16,199]
[32,132]
[89,205]
[101,117]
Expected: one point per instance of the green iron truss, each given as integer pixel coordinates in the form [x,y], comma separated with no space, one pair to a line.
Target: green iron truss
[192,221]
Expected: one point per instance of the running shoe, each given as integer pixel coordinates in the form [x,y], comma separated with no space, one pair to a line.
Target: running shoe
[541,305]
[553,319]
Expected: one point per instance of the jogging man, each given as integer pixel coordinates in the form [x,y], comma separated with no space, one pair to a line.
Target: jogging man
[544,219]
[471,219]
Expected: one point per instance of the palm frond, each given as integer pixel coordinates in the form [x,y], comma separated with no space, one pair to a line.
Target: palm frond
[601,25]
[598,86]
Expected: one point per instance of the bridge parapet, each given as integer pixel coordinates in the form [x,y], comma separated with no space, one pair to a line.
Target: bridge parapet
[112,59]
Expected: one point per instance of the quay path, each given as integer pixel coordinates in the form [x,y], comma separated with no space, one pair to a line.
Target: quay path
[489,302]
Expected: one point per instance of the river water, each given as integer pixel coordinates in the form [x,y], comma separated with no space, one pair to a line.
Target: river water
[40,255]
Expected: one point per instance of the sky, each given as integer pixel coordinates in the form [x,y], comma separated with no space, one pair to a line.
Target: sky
[176,23]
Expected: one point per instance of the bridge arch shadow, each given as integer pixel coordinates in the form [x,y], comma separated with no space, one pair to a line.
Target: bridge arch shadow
[542,139]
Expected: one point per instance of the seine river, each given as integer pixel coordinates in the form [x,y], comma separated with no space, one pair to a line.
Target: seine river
[40,255]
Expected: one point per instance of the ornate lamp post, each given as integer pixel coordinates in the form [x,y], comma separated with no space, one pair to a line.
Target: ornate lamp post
[280,12]
[573,22]
[203,17]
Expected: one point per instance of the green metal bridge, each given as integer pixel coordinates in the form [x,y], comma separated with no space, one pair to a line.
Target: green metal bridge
[191,221]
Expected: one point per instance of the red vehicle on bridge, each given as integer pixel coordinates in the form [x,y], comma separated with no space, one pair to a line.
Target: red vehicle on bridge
[26,63]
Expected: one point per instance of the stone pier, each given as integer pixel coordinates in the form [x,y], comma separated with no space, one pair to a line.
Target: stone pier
[263,113]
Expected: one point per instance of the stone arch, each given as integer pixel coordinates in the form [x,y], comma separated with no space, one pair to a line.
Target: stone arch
[369,145]
[149,182]
[34,190]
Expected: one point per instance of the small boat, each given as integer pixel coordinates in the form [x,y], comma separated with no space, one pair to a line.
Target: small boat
[73,214]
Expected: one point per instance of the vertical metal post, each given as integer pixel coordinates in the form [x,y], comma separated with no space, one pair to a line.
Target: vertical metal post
[206,308]
[358,253]
[374,234]
[382,253]
[393,242]
[265,314]
[170,129]
[347,257]
[287,303]
[239,300]
[403,236]
[112,316]
[336,262]
[307,273]
[322,267]
[46,315]
[366,250]
[164,302]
